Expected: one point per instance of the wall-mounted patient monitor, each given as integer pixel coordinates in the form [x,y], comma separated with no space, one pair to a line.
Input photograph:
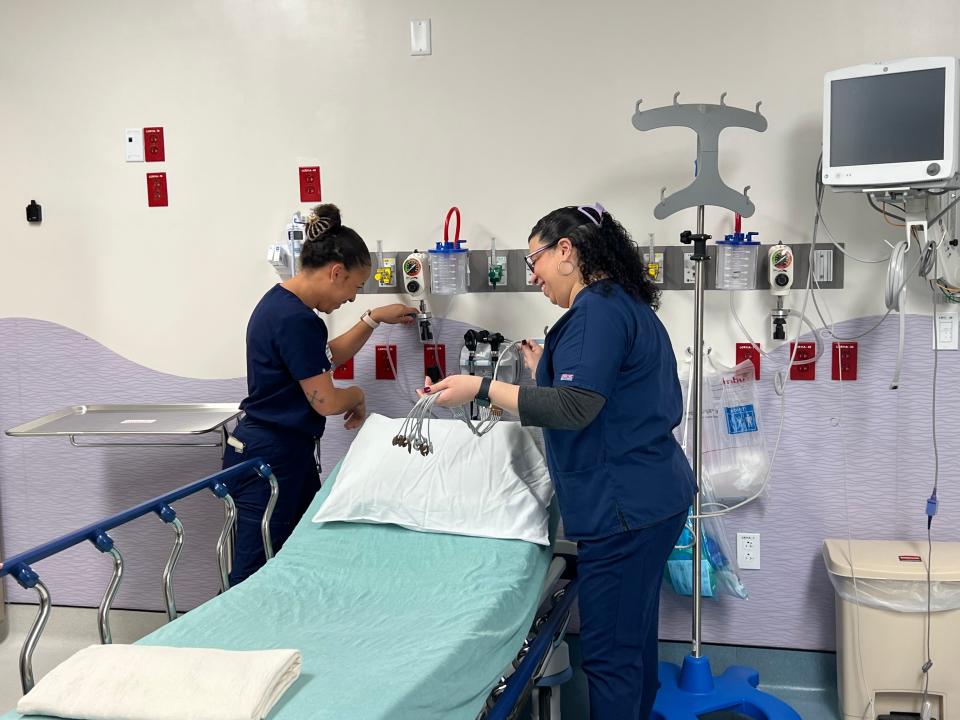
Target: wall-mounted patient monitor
[892,124]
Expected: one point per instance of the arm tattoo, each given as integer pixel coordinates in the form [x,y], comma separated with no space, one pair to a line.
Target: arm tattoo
[314,400]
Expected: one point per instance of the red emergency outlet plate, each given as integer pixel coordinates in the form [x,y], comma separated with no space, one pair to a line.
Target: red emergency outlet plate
[153,144]
[748,351]
[157,189]
[801,370]
[844,361]
[384,371]
[435,356]
[344,372]
[310,184]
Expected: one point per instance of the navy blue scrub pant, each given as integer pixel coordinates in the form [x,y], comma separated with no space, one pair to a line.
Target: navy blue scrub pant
[619,611]
[291,457]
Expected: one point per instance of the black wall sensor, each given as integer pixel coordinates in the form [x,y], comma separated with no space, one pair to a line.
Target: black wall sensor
[34,212]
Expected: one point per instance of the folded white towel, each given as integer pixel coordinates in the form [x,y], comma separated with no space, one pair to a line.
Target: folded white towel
[142,682]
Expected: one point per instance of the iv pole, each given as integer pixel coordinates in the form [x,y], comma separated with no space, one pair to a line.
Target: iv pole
[699,257]
[690,691]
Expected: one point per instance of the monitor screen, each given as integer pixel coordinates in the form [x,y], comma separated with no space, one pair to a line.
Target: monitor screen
[895,118]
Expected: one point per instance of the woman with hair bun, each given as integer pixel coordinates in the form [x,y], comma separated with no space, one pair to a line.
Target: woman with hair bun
[608,399]
[289,381]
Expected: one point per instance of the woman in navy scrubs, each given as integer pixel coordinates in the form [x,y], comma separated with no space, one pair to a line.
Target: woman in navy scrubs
[608,399]
[291,391]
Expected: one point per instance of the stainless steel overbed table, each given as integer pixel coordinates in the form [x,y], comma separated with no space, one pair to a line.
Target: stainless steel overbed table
[133,420]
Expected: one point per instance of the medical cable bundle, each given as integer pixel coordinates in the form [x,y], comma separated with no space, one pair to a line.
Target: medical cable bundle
[415,432]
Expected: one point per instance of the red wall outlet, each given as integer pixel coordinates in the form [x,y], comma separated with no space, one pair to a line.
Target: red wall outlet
[384,371]
[748,351]
[344,372]
[153,144]
[844,366]
[157,189]
[433,356]
[804,371]
[310,184]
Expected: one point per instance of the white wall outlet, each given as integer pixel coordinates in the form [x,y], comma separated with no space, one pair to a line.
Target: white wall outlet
[689,269]
[420,37]
[748,551]
[133,144]
[947,329]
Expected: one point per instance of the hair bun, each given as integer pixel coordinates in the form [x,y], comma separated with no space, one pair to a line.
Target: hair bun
[323,220]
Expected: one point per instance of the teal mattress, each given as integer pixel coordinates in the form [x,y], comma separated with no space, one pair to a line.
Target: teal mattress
[391,623]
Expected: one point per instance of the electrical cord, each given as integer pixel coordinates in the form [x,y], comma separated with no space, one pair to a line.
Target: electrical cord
[896,299]
[944,210]
[936,217]
[819,189]
[515,346]
[932,501]
[883,210]
[759,349]
[829,326]
[893,291]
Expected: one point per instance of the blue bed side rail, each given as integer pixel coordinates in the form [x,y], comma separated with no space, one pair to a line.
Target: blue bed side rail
[518,684]
[19,568]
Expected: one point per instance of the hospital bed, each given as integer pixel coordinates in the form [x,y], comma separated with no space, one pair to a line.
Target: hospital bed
[391,623]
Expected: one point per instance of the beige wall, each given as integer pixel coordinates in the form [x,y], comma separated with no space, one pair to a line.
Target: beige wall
[524,106]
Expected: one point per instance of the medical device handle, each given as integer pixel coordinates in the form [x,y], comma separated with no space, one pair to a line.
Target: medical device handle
[446,225]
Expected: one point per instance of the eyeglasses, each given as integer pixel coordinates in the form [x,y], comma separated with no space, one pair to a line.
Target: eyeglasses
[529,259]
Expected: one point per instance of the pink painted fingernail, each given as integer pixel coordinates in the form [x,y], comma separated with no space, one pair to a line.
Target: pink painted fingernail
[426,389]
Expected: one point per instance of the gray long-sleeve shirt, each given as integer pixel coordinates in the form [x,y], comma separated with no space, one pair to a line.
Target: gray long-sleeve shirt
[563,408]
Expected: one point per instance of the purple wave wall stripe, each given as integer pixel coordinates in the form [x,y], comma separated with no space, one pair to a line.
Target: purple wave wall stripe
[48,487]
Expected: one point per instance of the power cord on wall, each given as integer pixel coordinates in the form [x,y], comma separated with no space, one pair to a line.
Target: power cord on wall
[931,510]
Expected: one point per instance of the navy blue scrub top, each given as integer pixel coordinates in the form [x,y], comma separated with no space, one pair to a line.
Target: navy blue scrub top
[625,470]
[286,343]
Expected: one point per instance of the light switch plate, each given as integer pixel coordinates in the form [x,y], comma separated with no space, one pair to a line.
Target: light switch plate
[420,37]
[133,144]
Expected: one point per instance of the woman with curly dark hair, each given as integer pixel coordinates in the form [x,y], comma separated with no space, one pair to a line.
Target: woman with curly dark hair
[608,399]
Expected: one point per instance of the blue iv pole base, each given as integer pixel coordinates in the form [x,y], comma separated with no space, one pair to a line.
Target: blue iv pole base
[691,691]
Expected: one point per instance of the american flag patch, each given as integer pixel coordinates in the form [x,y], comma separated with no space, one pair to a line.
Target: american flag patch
[566,377]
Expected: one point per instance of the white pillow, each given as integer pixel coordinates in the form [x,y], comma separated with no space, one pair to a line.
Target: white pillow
[495,486]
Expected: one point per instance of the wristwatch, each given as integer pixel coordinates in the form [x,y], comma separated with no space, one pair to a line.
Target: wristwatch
[367,317]
[483,394]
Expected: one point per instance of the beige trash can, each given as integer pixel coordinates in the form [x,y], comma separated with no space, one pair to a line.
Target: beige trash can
[881,647]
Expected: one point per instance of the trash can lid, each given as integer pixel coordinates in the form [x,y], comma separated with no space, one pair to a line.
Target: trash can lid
[892,559]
